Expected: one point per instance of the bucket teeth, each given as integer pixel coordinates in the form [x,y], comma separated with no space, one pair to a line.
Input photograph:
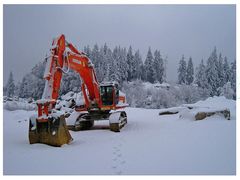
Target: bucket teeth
[53,132]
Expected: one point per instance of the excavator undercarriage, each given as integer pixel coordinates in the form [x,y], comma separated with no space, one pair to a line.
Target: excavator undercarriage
[85,121]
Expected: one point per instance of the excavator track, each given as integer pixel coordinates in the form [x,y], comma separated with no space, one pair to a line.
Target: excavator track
[117,120]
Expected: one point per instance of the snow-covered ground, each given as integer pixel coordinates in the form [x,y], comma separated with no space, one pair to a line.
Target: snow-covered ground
[148,144]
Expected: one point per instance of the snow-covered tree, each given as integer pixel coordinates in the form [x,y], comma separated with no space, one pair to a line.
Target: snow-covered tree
[227,91]
[102,63]
[182,71]
[226,71]
[71,81]
[221,80]
[130,59]
[95,55]
[212,72]
[122,65]
[118,71]
[158,67]
[148,64]
[17,89]
[31,86]
[233,77]
[200,76]
[108,62]
[137,64]
[165,69]
[10,86]
[190,72]
[33,83]
[87,51]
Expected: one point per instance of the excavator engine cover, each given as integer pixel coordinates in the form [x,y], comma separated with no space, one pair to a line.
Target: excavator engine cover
[53,131]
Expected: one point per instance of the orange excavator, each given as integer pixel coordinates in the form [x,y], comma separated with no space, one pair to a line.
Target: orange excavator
[98,101]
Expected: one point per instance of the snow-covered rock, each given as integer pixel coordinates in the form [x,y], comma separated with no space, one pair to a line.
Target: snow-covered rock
[212,105]
[68,96]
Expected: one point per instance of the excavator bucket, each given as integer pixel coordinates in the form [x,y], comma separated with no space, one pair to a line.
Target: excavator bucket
[53,131]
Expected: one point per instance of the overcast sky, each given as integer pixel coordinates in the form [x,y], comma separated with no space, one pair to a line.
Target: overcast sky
[192,30]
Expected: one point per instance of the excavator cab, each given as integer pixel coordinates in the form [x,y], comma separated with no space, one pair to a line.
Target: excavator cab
[109,94]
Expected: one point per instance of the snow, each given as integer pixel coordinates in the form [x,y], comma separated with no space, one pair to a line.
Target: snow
[114,118]
[70,95]
[215,102]
[149,144]
[80,99]
[173,109]
[43,101]
[15,105]
[212,104]
[73,117]
[121,93]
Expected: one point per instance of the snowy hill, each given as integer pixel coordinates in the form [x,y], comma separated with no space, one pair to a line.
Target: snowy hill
[148,144]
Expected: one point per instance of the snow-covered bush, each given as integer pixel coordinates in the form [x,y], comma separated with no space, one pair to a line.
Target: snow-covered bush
[15,105]
[227,91]
[147,95]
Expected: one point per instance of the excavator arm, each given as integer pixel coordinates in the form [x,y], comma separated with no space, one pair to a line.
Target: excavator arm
[64,54]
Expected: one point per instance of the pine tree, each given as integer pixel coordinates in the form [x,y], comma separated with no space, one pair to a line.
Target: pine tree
[182,71]
[227,91]
[226,71]
[33,83]
[70,82]
[149,71]
[109,62]
[158,66]
[10,86]
[220,71]
[17,89]
[137,64]
[87,51]
[130,64]
[142,74]
[102,63]
[233,78]
[165,69]
[190,72]
[200,76]
[123,66]
[212,73]
[116,73]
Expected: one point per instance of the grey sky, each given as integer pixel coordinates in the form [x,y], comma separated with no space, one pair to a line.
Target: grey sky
[192,30]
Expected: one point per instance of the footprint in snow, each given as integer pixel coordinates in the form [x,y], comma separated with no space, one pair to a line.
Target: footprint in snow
[118,161]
